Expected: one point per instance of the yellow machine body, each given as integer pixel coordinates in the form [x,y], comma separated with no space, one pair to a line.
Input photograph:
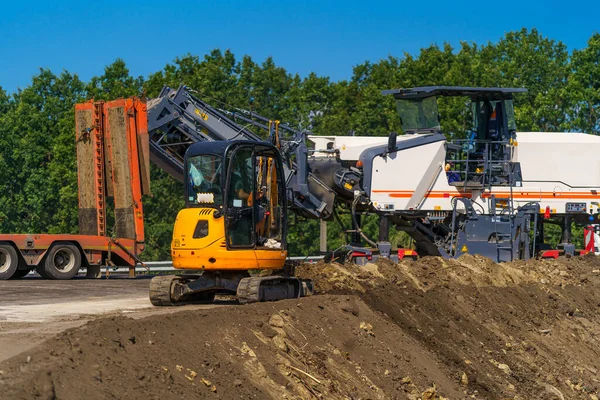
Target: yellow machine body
[199,244]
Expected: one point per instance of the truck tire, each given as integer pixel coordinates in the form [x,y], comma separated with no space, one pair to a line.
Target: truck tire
[9,261]
[93,272]
[62,261]
[41,271]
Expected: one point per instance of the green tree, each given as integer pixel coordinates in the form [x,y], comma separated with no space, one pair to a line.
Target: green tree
[115,83]
[527,59]
[585,85]
[39,174]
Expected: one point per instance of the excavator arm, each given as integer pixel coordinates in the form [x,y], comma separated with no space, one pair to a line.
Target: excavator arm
[177,119]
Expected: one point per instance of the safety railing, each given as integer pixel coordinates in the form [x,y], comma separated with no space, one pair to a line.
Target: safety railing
[478,163]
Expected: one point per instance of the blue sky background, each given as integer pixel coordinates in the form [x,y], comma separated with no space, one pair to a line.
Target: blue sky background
[326,37]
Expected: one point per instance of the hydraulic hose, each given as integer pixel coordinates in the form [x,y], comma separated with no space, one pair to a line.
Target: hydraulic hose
[360,232]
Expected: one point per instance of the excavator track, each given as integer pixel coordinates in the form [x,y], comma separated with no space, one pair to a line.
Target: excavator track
[272,288]
[161,290]
[173,290]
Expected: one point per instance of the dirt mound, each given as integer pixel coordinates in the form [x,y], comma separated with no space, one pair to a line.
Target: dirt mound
[429,329]
[320,347]
[516,330]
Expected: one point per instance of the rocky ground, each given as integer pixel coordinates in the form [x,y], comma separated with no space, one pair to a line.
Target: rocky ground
[429,329]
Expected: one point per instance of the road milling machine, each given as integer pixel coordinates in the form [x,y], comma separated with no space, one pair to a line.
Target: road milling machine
[490,193]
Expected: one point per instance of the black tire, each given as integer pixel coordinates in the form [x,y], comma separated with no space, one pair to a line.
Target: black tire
[63,261]
[20,273]
[41,271]
[9,261]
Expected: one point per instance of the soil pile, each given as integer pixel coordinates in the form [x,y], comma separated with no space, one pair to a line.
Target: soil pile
[428,329]
[526,330]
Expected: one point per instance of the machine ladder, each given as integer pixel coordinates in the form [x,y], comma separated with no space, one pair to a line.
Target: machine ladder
[99,179]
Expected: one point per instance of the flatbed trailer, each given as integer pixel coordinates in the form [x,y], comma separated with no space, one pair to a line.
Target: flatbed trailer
[62,256]
[112,161]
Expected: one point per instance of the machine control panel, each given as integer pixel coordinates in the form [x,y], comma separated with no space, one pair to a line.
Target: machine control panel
[575,207]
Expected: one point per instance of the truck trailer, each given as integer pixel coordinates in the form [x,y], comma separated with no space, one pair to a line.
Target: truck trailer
[112,162]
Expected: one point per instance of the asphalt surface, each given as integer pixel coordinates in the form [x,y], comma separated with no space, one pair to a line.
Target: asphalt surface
[35,299]
[34,309]
[34,290]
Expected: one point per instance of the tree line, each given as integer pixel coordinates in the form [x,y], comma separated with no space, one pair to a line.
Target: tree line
[37,158]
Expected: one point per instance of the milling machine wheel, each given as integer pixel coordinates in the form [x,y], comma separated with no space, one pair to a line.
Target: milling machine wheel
[161,290]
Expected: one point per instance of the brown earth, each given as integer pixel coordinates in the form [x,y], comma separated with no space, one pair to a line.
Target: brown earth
[428,329]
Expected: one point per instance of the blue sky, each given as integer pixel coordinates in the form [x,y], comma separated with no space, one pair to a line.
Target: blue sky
[327,37]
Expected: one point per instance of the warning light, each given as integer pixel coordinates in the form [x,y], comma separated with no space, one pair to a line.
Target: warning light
[547,213]
[359,164]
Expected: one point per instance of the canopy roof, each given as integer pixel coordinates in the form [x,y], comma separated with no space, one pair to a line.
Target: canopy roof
[472,92]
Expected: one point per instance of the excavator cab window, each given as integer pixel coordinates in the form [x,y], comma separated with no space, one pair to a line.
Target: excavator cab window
[240,189]
[204,181]
[255,198]
[270,203]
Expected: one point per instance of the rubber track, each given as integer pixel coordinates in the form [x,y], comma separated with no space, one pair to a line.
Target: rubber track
[249,288]
[160,290]
[242,290]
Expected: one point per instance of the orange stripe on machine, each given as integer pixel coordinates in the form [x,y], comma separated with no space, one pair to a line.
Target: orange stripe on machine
[592,194]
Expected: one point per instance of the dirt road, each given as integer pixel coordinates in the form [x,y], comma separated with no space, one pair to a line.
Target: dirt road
[431,329]
[33,309]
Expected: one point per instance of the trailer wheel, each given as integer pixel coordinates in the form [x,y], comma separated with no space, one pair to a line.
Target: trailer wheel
[40,269]
[9,261]
[62,261]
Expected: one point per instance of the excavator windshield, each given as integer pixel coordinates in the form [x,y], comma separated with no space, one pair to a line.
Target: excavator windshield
[204,180]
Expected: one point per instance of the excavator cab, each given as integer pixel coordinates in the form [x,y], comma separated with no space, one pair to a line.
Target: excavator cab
[235,196]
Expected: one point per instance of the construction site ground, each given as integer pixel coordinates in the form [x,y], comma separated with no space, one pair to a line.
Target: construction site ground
[426,329]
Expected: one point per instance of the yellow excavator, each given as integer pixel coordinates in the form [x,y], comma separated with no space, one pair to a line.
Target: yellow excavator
[234,221]
[237,192]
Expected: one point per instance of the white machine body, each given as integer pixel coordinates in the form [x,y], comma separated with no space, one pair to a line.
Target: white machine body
[561,171]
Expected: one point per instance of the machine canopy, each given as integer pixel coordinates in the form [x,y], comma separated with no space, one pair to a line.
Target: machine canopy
[491,109]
